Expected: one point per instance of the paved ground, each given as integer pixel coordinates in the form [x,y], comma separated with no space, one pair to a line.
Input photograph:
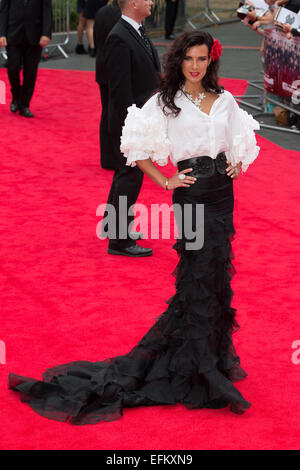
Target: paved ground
[240,59]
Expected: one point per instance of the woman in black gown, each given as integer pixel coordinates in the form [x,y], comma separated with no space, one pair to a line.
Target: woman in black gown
[187,356]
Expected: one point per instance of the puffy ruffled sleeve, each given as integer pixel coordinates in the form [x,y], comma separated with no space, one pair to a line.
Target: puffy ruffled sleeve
[144,134]
[242,139]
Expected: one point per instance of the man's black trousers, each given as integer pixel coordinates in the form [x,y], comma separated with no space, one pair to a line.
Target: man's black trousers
[27,57]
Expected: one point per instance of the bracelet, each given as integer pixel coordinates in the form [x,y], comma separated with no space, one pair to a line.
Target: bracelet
[167,184]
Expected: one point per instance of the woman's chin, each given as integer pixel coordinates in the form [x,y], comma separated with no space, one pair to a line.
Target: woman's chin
[193,80]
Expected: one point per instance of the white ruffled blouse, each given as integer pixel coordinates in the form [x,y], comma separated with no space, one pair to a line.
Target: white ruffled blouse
[148,133]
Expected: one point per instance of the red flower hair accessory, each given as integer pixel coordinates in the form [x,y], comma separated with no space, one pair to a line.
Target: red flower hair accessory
[216,50]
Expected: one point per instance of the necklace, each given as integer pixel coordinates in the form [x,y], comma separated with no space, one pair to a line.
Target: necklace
[197,101]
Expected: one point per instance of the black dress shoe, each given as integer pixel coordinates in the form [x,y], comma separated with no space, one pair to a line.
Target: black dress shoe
[170,36]
[134,251]
[25,111]
[80,49]
[14,106]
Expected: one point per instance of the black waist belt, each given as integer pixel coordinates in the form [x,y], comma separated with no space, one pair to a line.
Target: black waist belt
[204,166]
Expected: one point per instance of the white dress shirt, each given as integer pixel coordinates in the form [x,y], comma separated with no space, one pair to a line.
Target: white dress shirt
[133,23]
[149,133]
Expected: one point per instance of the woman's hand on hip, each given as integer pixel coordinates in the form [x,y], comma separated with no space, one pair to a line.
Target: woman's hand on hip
[233,170]
[181,179]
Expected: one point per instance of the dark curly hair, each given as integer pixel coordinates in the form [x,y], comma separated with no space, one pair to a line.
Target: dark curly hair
[173,78]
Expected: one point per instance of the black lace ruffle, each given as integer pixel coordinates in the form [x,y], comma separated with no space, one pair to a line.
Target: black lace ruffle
[186,357]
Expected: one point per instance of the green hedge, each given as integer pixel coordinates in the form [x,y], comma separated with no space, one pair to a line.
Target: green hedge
[73,15]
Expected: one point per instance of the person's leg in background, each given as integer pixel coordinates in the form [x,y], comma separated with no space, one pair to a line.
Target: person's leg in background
[108,159]
[170,18]
[89,13]
[14,65]
[80,28]
[126,184]
[90,35]
[31,59]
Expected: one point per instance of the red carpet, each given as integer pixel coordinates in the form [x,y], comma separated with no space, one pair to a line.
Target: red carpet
[63,298]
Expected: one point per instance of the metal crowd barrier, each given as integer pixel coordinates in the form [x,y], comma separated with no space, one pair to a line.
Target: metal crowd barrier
[208,13]
[262,110]
[61,26]
[3,53]
[266,97]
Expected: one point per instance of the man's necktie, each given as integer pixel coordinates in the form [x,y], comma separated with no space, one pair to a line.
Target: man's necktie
[145,38]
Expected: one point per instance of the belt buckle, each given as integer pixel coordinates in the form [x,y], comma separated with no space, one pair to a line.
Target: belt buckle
[204,166]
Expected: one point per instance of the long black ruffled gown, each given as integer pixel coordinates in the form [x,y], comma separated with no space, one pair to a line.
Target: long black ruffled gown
[187,356]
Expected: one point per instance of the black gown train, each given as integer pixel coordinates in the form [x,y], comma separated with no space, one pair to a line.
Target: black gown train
[187,356]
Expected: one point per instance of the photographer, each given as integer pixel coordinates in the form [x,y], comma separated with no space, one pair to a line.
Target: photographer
[292,5]
[278,60]
[258,23]
[255,22]
[287,28]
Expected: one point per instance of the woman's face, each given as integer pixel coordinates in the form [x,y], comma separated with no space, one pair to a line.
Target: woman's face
[195,63]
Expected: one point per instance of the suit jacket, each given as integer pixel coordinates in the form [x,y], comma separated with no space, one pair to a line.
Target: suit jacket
[105,20]
[133,72]
[25,18]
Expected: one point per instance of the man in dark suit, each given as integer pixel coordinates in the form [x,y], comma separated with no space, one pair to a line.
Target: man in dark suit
[133,69]
[25,27]
[105,20]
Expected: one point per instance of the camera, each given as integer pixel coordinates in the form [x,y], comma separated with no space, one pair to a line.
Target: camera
[244,9]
